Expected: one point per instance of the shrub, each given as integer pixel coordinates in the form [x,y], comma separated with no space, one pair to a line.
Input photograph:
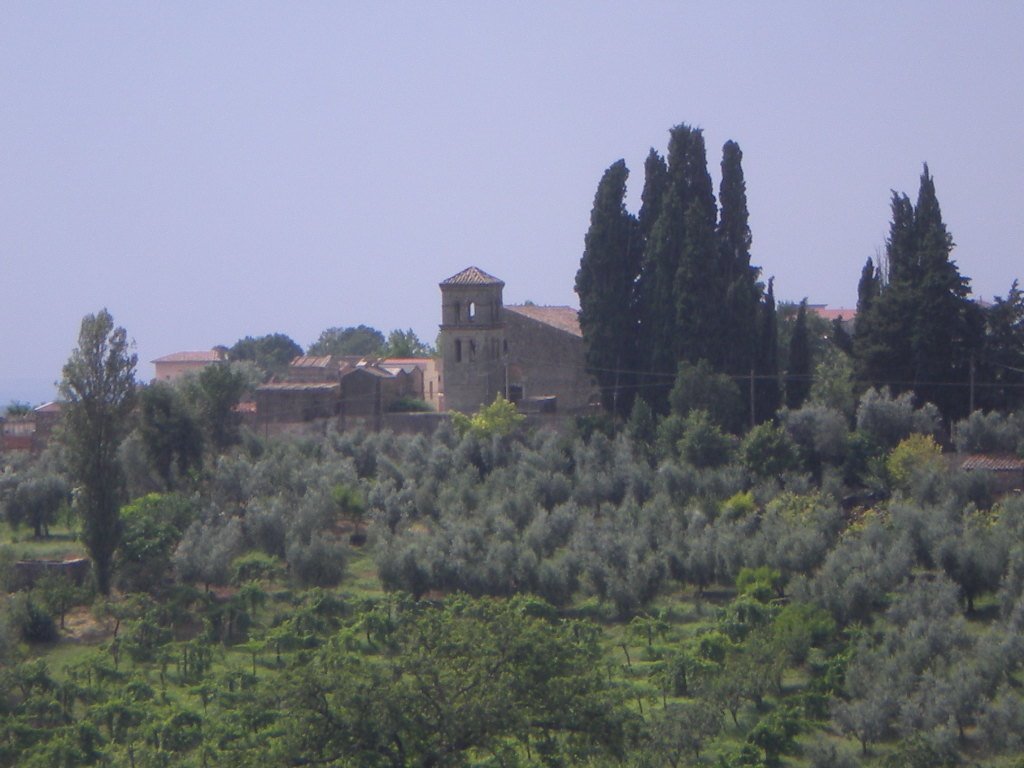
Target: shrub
[989,433]
[740,504]
[699,388]
[30,620]
[767,451]
[499,418]
[703,443]
[409,405]
[253,566]
[318,563]
[885,420]
[913,456]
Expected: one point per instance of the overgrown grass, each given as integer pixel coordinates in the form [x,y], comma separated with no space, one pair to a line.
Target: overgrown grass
[61,544]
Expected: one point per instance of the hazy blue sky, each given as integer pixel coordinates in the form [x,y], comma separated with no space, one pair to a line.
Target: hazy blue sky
[210,170]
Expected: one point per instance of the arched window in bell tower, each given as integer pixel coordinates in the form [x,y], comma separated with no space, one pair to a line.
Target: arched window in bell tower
[472,311]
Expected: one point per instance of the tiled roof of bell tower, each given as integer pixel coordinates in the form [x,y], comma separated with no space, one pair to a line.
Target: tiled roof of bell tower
[472,276]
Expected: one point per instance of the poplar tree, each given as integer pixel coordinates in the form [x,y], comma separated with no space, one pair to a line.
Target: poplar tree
[98,388]
[605,284]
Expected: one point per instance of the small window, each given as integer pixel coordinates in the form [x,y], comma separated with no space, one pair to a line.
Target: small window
[472,311]
[472,351]
[458,350]
[504,346]
[458,312]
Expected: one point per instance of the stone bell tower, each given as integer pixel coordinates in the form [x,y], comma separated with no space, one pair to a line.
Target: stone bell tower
[472,339]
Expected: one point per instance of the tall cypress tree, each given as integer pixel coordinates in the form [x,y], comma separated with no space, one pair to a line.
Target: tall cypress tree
[916,328]
[1002,361]
[943,337]
[697,291]
[798,371]
[605,284]
[767,396]
[655,184]
[678,266]
[742,292]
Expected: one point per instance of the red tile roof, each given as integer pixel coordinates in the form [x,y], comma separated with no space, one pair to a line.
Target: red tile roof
[312,361]
[472,276]
[299,386]
[1005,463]
[563,318]
[204,356]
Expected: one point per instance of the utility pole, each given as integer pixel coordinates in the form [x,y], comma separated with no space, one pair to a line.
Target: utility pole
[969,412]
[753,417]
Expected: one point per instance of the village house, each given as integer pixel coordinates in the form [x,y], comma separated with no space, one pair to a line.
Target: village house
[172,367]
[351,389]
[31,431]
[1006,472]
[531,355]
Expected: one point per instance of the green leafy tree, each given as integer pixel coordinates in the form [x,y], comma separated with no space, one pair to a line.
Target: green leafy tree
[36,501]
[914,455]
[405,344]
[833,383]
[698,387]
[768,451]
[1002,360]
[271,353]
[361,341]
[152,527]
[171,435]
[466,678]
[798,370]
[605,284]
[703,443]
[214,393]
[499,418]
[98,387]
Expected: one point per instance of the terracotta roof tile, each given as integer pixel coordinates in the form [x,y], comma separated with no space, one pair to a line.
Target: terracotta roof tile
[298,386]
[1002,463]
[563,318]
[472,276]
[312,361]
[203,356]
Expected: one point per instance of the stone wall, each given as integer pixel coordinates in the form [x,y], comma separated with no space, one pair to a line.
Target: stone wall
[548,361]
[27,573]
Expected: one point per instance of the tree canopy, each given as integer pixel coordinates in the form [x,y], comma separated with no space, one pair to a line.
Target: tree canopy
[674,283]
[98,387]
[917,330]
[360,340]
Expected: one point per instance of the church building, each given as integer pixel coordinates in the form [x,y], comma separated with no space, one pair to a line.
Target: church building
[531,355]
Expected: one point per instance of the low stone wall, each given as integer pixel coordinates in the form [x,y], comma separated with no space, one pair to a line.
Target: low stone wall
[27,573]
